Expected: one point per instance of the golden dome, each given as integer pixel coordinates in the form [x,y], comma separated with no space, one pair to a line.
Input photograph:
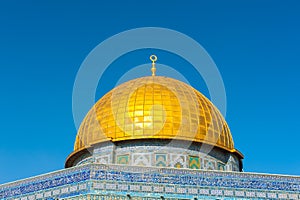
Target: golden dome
[154,107]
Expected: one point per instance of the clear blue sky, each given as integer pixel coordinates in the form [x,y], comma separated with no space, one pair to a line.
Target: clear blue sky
[255,44]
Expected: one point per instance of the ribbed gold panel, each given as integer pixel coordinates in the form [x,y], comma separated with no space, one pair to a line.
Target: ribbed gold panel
[154,107]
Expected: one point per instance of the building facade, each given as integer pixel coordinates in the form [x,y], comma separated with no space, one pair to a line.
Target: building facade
[153,138]
[99,181]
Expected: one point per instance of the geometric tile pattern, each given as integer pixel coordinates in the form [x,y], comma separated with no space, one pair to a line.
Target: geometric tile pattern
[194,162]
[123,159]
[158,156]
[141,159]
[178,161]
[221,166]
[161,160]
[209,165]
[103,159]
[115,181]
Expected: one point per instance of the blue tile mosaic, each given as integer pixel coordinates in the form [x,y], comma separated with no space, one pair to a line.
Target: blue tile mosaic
[134,178]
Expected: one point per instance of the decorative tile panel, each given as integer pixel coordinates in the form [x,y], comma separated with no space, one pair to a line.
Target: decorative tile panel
[228,193]
[158,189]
[123,159]
[293,196]
[144,181]
[159,156]
[250,194]
[103,159]
[204,191]
[192,190]
[141,159]
[261,194]
[209,164]
[146,188]
[161,160]
[272,195]
[178,161]
[216,192]
[169,189]
[239,193]
[221,166]
[194,162]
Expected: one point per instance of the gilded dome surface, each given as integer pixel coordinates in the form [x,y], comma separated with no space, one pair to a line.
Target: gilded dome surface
[154,107]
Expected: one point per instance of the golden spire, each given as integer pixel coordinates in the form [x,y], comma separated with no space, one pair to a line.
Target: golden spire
[153,58]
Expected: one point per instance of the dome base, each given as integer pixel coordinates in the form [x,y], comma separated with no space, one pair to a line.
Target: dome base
[160,153]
